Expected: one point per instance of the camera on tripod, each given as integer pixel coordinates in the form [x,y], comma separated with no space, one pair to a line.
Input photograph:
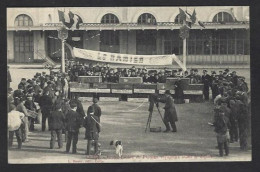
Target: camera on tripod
[153,99]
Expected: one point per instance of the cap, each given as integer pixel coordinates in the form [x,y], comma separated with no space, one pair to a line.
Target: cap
[213,72]
[226,70]
[205,70]
[23,79]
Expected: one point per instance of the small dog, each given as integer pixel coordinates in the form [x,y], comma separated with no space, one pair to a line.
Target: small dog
[119,147]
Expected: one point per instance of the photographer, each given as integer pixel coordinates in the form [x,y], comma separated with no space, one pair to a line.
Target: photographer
[170,114]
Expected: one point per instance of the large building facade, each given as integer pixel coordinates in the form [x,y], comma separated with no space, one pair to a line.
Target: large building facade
[32,33]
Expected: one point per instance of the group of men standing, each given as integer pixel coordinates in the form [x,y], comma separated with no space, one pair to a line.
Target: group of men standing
[45,97]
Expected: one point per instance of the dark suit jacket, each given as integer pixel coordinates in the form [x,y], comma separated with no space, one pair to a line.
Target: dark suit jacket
[97,111]
[56,120]
[92,127]
[73,121]
[170,111]
[45,103]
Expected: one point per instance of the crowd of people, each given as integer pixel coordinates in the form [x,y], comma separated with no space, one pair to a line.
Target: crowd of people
[46,97]
[232,110]
[112,75]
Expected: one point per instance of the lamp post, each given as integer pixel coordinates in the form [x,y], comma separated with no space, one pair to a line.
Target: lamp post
[63,35]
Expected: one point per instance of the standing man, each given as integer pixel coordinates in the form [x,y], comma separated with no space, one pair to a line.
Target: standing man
[73,123]
[179,92]
[206,81]
[46,106]
[15,120]
[96,110]
[170,114]
[56,125]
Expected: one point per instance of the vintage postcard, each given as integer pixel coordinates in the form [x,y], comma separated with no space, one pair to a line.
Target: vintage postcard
[128,84]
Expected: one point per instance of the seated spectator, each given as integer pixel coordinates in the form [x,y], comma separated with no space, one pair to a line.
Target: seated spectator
[146,78]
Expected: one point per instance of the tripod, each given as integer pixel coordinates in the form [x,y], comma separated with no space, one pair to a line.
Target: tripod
[150,117]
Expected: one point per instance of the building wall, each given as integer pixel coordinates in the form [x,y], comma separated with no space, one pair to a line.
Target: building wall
[40,16]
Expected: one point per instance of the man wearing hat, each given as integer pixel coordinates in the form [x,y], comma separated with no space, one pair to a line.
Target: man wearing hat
[92,130]
[96,110]
[221,124]
[23,83]
[45,103]
[29,104]
[15,120]
[73,122]
[57,121]
[206,81]
[197,76]
[170,114]
[214,85]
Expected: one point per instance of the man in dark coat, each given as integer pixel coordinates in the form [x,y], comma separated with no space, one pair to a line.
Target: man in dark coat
[179,92]
[243,124]
[56,121]
[80,109]
[46,107]
[92,130]
[73,122]
[170,114]
[233,121]
[96,109]
[19,93]
[206,81]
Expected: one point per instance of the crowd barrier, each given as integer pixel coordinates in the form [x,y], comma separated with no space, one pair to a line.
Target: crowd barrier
[128,87]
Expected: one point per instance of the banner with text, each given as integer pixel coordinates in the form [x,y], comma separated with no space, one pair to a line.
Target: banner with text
[107,57]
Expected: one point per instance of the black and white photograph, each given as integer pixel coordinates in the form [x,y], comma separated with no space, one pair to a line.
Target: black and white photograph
[128,84]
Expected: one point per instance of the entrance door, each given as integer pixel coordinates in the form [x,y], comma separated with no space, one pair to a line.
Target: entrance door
[23,47]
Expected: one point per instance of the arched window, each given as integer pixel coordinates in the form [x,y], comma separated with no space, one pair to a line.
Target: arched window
[109,18]
[177,20]
[23,20]
[223,17]
[146,18]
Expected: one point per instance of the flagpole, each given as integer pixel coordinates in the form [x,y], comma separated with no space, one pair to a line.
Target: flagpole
[184,53]
[63,57]
[184,47]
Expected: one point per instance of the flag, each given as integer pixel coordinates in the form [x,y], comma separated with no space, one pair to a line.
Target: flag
[184,16]
[62,18]
[195,20]
[70,19]
[77,20]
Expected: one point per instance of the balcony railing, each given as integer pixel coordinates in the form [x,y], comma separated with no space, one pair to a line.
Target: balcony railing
[133,26]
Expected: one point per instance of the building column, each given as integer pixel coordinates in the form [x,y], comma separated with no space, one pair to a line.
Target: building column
[131,46]
[10,46]
[39,45]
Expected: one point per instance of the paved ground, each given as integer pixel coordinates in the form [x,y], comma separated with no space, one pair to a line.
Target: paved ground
[194,141]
